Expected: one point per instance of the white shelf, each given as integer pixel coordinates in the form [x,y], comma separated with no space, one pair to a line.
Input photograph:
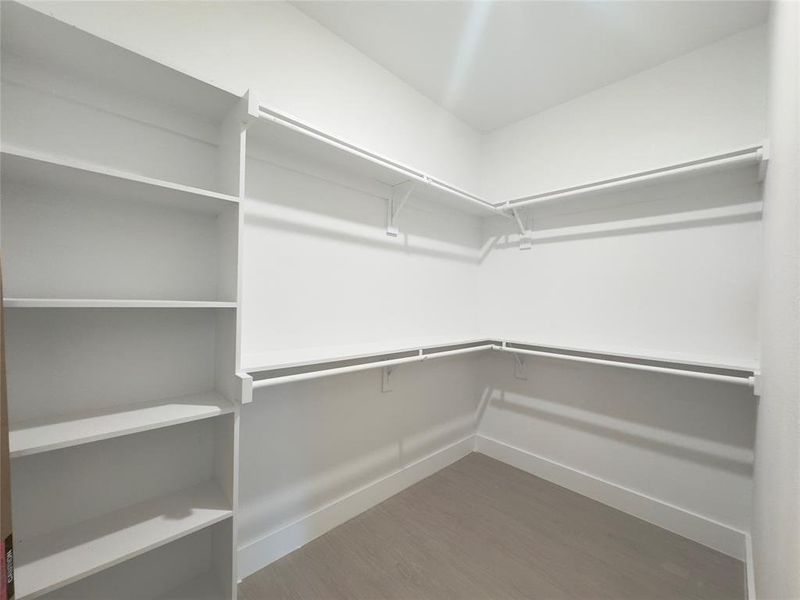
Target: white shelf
[754,157]
[300,357]
[711,362]
[42,435]
[314,363]
[50,561]
[285,136]
[68,176]
[111,303]
[37,36]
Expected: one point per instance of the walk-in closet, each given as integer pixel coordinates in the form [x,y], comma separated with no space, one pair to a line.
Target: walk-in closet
[407,300]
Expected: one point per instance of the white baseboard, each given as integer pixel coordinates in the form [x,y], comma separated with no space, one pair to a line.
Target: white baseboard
[710,533]
[750,568]
[258,554]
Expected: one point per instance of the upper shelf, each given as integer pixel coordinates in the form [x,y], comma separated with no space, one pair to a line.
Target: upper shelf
[33,35]
[751,156]
[68,176]
[284,135]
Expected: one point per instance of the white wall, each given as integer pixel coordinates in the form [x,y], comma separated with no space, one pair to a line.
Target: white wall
[295,65]
[776,515]
[670,270]
[320,270]
[708,101]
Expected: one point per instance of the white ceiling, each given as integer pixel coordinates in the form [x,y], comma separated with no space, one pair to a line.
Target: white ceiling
[494,63]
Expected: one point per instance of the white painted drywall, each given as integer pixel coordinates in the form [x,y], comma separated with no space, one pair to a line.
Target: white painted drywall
[308,444]
[776,514]
[708,101]
[319,270]
[295,65]
[671,270]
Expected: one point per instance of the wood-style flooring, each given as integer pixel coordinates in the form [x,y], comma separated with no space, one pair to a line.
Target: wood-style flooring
[483,529]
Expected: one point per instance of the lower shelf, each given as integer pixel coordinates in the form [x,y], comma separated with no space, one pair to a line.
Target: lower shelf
[41,435]
[50,561]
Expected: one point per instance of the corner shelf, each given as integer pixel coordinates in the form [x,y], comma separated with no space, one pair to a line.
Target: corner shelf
[26,167]
[111,303]
[42,435]
[269,374]
[53,560]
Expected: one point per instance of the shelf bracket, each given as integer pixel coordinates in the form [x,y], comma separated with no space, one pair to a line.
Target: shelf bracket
[520,368]
[764,164]
[386,379]
[524,233]
[400,195]
[758,383]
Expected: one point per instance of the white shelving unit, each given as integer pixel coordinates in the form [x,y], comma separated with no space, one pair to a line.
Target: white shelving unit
[122,181]
[123,185]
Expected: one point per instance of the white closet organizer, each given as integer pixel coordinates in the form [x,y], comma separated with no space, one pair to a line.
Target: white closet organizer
[121,216]
[121,182]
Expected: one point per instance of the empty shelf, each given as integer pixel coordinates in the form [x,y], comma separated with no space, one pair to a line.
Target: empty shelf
[111,303]
[53,560]
[70,176]
[40,435]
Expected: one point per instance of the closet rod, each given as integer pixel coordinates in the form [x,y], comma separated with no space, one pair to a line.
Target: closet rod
[730,160]
[259,383]
[329,140]
[749,381]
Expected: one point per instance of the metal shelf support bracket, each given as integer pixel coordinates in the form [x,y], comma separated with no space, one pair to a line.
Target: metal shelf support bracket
[399,196]
[520,368]
[386,379]
[524,233]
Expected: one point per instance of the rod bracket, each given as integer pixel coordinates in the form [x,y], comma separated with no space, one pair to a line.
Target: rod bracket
[397,200]
[520,368]
[386,379]
[524,229]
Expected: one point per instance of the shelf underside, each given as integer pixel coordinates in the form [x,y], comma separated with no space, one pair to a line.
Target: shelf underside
[41,435]
[304,357]
[77,179]
[50,561]
[30,33]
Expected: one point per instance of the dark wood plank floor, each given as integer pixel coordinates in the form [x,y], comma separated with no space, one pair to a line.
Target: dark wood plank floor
[483,529]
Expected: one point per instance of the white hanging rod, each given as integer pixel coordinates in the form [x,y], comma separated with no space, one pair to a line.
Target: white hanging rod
[420,356]
[411,174]
[749,381]
[739,158]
